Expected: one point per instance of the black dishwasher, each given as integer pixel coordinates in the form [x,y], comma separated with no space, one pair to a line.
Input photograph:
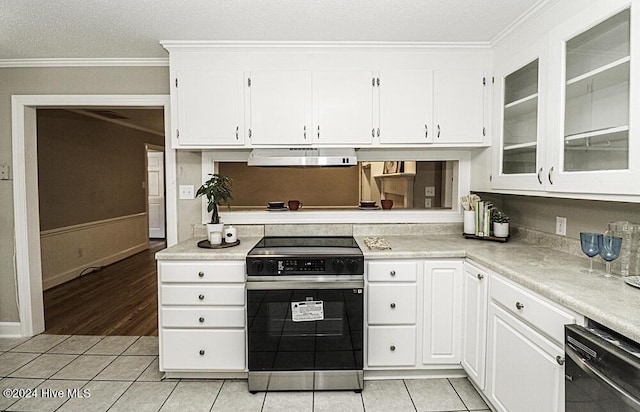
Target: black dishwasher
[602,370]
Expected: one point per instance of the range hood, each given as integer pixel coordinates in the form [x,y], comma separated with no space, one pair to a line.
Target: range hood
[303,157]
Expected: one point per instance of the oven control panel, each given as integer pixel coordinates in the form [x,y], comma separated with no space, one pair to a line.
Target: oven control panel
[261,266]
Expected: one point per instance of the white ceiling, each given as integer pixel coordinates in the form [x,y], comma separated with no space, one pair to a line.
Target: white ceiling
[132,28]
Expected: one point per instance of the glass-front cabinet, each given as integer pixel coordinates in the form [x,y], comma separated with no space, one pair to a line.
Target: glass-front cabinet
[593,144]
[519,155]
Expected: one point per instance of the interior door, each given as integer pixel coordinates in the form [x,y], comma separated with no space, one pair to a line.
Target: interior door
[155,184]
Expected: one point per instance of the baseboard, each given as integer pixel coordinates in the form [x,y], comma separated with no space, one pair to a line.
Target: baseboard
[10,330]
[107,260]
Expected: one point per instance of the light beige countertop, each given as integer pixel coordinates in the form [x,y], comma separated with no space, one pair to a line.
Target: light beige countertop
[552,274]
[189,250]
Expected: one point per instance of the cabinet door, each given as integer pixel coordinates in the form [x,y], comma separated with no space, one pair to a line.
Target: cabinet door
[442,312]
[458,99]
[343,107]
[280,107]
[474,322]
[595,96]
[520,122]
[391,303]
[523,370]
[210,107]
[391,345]
[406,106]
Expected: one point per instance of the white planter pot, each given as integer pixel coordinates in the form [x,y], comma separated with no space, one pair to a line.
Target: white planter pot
[214,233]
[500,229]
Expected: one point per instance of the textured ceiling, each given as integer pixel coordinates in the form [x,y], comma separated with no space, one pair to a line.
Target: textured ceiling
[133,28]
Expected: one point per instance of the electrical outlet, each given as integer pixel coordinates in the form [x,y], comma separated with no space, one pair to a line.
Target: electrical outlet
[561,226]
[427,203]
[429,191]
[186,192]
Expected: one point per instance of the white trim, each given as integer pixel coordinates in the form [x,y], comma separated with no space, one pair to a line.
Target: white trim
[87,225]
[298,46]
[85,62]
[10,330]
[531,14]
[25,204]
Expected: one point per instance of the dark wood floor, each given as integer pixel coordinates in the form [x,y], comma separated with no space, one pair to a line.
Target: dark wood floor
[120,299]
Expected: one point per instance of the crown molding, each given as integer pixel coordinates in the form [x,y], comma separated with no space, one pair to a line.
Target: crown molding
[296,46]
[82,62]
[534,11]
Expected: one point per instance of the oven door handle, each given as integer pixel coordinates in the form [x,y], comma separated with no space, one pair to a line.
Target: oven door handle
[595,373]
[304,284]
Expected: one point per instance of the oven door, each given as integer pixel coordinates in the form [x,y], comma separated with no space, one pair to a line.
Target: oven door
[304,327]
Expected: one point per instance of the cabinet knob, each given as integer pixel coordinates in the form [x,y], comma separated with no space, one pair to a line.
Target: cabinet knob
[201,320]
[519,305]
[201,274]
[480,276]
[392,348]
[392,273]
[201,297]
[393,306]
[560,360]
[201,352]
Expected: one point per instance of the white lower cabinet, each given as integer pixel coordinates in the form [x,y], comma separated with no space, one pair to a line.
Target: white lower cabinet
[525,355]
[475,296]
[523,371]
[413,313]
[442,313]
[202,316]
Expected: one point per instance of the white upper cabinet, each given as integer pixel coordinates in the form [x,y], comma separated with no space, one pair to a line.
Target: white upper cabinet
[343,107]
[406,106]
[280,107]
[518,149]
[210,107]
[458,100]
[595,85]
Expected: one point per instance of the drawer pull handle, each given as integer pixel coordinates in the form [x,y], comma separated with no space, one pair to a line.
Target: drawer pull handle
[392,273]
[201,297]
[480,276]
[201,274]
[201,352]
[392,348]
[519,305]
[560,360]
[201,320]
[393,306]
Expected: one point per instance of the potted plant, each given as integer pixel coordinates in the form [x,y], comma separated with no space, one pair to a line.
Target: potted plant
[500,223]
[217,190]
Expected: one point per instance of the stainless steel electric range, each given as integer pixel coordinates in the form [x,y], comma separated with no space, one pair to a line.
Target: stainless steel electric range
[305,314]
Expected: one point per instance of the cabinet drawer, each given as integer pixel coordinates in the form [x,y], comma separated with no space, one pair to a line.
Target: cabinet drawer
[392,271]
[202,271]
[547,317]
[202,349]
[202,294]
[391,303]
[203,317]
[391,346]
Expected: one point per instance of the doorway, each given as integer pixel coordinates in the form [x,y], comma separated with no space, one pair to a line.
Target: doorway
[155,192]
[26,211]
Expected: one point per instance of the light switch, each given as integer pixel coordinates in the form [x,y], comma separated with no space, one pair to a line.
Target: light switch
[186,192]
[427,203]
[4,172]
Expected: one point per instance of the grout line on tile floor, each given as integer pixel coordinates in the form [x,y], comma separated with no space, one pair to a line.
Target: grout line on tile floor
[404,382]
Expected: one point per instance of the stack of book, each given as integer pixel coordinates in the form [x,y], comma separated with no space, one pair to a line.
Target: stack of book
[483,217]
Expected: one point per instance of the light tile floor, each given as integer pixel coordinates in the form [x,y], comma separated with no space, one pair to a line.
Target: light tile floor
[120,373]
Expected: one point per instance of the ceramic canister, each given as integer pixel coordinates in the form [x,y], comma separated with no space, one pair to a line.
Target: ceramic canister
[230,234]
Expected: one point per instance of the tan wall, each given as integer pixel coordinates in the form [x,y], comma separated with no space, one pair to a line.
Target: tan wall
[540,213]
[256,186]
[89,80]
[89,169]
